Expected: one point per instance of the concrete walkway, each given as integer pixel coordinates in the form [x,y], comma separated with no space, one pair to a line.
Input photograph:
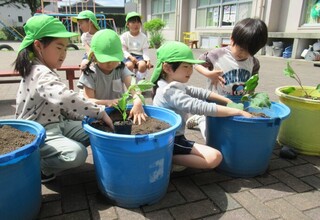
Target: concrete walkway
[288,190]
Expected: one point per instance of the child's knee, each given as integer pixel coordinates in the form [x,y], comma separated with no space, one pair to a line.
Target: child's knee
[215,159]
[76,157]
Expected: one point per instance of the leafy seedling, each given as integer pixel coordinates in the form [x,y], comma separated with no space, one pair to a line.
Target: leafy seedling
[288,71]
[127,97]
[255,100]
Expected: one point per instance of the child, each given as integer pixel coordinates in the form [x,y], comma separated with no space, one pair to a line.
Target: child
[104,84]
[42,97]
[88,25]
[173,70]
[228,68]
[135,46]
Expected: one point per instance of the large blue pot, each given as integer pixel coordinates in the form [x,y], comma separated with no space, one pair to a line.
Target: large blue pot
[246,143]
[20,178]
[134,170]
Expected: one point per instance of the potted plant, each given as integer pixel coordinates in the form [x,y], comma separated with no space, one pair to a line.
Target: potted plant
[154,27]
[247,143]
[134,170]
[20,173]
[301,129]
[124,126]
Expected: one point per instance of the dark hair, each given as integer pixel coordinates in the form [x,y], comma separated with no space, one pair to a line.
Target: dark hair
[174,66]
[87,71]
[134,19]
[23,62]
[250,34]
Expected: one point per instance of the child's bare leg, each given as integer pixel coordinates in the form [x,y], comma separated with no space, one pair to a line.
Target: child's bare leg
[201,157]
[130,65]
[142,66]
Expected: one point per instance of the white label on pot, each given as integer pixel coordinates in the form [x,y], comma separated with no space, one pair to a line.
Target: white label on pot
[157,166]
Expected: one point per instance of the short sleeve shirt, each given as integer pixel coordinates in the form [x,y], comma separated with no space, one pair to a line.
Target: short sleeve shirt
[106,86]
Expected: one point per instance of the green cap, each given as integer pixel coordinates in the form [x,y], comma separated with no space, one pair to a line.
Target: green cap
[106,46]
[87,14]
[172,52]
[131,15]
[41,26]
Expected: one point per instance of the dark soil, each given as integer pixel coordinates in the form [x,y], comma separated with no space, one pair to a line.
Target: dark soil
[151,125]
[12,139]
[259,114]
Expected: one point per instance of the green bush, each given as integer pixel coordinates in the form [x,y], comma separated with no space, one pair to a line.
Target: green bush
[10,36]
[154,27]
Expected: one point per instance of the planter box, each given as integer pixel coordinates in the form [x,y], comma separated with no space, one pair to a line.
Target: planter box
[134,170]
[301,130]
[20,181]
[246,143]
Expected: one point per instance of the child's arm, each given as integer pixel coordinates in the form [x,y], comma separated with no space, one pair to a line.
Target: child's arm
[137,111]
[219,98]
[214,75]
[91,94]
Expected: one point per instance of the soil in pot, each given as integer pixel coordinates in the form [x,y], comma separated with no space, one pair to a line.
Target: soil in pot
[12,139]
[151,125]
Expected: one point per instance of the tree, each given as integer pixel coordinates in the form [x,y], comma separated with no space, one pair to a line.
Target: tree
[33,4]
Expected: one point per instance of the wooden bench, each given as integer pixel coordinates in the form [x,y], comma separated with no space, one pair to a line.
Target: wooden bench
[9,73]
[69,70]
[70,73]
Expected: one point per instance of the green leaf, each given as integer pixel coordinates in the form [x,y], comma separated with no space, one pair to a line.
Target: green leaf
[288,90]
[318,87]
[144,85]
[251,83]
[245,98]
[260,100]
[289,71]
[235,105]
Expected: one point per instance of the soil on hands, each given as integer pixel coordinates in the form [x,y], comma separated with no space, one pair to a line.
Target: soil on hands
[151,125]
[12,139]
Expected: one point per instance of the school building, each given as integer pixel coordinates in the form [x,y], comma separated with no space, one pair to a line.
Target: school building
[295,23]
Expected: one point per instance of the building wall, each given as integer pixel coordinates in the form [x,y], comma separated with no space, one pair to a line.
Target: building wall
[9,15]
[283,18]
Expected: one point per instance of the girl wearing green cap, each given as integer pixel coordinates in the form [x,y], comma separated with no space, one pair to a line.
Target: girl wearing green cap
[135,46]
[44,98]
[89,26]
[174,68]
[103,83]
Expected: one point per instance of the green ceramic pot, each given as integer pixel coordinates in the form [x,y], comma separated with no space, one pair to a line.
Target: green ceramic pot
[300,131]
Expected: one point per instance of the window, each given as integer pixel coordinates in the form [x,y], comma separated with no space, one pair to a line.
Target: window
[164,9]
[218,13]
[311,13]
[20,19]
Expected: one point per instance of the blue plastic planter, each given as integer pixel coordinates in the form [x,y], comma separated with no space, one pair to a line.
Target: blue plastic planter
[246,143]
[134,170]
[20,179]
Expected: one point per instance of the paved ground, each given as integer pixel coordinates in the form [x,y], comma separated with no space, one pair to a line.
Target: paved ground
[288,190]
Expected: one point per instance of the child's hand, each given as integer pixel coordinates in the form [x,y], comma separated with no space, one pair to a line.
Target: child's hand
[84,64]
[246,114]
[107,120]
[112,102]
[133,60]
[216,78]
[137,112]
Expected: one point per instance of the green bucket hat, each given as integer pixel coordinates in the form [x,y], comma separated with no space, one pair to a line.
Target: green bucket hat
[41,26]
[131,15]
[172,52]
[106,46]
[87,14]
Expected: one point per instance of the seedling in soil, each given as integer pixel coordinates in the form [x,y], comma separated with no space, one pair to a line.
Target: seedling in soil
[127,97]
[288,71]
[256,100]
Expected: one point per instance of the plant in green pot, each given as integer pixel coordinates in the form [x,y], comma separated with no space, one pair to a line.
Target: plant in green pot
[247,143]
[154,27]
[300,131]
